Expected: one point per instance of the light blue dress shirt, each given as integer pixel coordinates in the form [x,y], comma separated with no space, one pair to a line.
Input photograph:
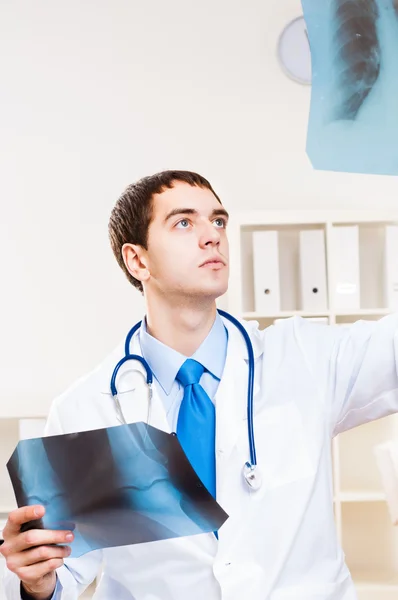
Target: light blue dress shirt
[166,362]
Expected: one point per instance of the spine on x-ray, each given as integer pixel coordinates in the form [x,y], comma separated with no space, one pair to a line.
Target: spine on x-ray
[356,54]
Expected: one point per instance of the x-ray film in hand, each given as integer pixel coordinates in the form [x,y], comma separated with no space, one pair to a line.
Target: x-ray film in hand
[353,124]
[113,487]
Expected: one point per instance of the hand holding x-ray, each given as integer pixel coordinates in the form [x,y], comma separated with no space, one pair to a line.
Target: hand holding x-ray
[34,555]
[115,486]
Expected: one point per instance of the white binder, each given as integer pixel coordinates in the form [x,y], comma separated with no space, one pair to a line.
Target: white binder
[391,267]
[266,272]
[313,287]
[346,268]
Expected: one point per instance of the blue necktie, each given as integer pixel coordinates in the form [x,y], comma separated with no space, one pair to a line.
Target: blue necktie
[196,425]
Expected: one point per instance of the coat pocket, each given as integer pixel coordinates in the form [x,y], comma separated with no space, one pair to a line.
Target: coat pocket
[341,590]
[283,451]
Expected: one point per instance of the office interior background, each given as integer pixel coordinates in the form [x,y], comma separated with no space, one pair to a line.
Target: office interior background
[95,95]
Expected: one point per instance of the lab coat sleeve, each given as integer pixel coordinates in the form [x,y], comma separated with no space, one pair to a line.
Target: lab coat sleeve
[77,573]
[72,578]
[356,368]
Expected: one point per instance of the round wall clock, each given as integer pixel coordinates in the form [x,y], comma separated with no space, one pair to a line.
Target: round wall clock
[294,51]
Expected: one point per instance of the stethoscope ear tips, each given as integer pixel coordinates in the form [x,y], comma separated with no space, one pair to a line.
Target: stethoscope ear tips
[252,476]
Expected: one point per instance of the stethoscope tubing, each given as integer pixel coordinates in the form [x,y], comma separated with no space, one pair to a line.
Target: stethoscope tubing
[250,379]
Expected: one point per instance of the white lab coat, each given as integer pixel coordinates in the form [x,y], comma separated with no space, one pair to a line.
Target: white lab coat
[279,543]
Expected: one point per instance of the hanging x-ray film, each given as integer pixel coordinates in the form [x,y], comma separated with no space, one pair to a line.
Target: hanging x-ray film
[113,487]
[353,124]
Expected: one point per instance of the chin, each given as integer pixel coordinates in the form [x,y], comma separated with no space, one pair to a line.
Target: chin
[212,291]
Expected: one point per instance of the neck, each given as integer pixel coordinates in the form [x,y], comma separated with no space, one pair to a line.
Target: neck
[181,327]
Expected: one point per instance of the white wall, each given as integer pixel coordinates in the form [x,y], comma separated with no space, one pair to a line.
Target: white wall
[98,93]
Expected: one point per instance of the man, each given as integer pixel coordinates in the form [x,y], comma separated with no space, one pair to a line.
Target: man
[168,233]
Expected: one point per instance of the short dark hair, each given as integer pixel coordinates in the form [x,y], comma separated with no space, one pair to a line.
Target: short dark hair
[132,214]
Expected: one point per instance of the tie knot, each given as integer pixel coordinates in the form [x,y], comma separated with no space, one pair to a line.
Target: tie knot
[190,372]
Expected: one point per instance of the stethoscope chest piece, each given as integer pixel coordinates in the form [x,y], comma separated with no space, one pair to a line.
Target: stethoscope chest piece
[252,476]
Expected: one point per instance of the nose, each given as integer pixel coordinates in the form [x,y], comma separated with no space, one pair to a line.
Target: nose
[210,236]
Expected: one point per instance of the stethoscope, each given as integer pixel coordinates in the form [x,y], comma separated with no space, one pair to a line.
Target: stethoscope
[251,473]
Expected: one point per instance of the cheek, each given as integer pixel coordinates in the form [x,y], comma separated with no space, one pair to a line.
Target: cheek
[170,261]
[224,246]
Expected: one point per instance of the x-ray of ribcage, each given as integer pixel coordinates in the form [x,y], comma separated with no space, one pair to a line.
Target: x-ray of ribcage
[353,124]
[357,56]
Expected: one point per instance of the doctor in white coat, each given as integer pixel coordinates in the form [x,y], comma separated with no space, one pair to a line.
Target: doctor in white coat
[168,233]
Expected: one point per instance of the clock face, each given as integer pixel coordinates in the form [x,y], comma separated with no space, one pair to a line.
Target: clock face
[294,51]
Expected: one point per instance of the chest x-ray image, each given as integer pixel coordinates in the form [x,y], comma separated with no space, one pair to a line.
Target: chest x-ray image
[353,124]
[113,487]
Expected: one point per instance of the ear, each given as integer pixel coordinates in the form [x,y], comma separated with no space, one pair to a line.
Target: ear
[134,257]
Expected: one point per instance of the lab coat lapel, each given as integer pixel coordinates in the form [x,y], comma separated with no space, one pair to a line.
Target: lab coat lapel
[231,437]
[230,402]
[231,397]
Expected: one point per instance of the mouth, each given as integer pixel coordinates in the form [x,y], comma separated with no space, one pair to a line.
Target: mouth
[213,262]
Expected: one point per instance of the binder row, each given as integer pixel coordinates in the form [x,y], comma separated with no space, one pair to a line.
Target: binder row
[312,261]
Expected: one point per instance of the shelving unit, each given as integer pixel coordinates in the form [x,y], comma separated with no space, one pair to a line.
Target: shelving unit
[9,434]
[363,524]
[10,429]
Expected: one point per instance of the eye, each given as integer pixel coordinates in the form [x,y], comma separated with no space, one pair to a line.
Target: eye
[220,222]
[183,224]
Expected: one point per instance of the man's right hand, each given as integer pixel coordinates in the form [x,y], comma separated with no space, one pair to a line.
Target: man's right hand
[32,555]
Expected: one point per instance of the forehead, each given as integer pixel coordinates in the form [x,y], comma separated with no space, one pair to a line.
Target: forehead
[183,195]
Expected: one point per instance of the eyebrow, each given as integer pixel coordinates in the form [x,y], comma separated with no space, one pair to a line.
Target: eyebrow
[217,212]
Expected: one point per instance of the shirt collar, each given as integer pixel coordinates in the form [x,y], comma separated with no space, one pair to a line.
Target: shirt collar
[166,362]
